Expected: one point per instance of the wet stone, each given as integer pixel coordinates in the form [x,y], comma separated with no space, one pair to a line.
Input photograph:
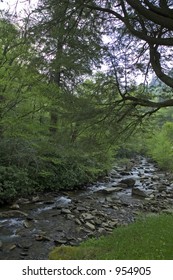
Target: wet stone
[111,190]
[24,244]
[65,211]
[130,182]
[60,241]
[12,247]
[26,224]
[15,206]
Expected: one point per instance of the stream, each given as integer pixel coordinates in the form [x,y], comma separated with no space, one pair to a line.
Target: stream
[31,227]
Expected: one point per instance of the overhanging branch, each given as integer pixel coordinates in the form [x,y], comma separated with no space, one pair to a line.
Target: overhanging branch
[148,103]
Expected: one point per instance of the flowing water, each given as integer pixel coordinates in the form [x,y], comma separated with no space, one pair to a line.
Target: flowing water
[73,216]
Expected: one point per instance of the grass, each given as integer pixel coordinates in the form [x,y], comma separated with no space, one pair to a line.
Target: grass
[149,238]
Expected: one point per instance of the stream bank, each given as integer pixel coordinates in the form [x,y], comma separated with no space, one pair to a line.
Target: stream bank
[30,228]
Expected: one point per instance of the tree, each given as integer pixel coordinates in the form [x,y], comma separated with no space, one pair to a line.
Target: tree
[141,40]
[70,46]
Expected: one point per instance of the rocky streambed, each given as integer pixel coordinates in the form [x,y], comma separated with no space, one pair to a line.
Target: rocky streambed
[31,227]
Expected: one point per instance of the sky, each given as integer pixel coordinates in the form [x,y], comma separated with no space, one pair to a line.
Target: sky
[17,6]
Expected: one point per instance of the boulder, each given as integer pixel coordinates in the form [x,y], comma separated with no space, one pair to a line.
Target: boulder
[129,182]
[139,192]
[124,173]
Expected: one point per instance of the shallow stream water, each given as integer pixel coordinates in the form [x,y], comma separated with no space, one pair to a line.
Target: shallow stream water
[61,218]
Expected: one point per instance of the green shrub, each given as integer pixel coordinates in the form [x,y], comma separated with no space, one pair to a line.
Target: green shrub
[160,146]
[14,182]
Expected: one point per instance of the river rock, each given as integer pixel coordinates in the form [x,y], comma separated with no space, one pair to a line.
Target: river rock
[65,211]
[26,224]
[114,172]
[90,226]
[168,211]
[139,192]
[108,199]
[124,173]
[15,206]
[111,190]
[42,238]
[78,222]
[70,216]
[24,244]
[155,178]
[23,201]
[101,230]
[98,221]
[12,247]
[60,241]
[12,213]
[162,188]
[129,182]
[87,216]
[81,208]
[115,207]
[36,199]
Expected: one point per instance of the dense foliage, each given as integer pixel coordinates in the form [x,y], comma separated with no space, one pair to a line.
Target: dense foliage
[38,153]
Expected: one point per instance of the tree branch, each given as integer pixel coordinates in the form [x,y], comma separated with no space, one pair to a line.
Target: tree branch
[163,10]
[155,62]
[147,103]
[150,15]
